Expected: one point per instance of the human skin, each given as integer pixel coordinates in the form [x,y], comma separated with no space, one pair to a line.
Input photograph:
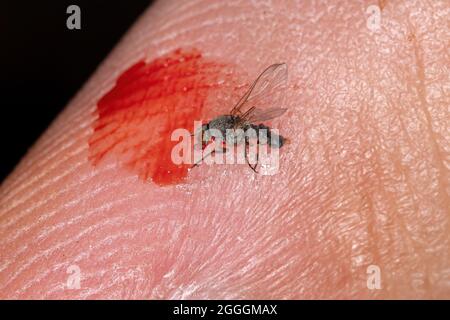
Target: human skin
[363,183]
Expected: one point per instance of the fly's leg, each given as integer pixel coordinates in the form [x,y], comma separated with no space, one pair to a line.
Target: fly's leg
[257,155]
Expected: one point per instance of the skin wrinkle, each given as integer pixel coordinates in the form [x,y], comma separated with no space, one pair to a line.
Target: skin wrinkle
[49,164]
[42,203]
[442,173]
[50,250]
[403,167]
[386,195]
[443,179]
[82,232]
[26,181]
[350,191]
[88,254]
[58,267]
[36,191]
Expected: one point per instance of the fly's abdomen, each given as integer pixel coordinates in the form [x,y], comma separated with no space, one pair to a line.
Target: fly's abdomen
[266,136]
[278,140]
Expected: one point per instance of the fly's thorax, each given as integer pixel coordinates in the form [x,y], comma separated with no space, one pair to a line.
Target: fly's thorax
[222,123]
[217,127]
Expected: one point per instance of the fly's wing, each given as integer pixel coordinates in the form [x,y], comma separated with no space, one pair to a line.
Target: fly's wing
[259,115]
[264,99]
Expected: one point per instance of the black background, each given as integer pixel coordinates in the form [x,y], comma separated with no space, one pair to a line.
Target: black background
[44,64]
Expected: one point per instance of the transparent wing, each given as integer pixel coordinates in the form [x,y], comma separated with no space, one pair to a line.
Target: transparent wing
[264,99]
[259,115]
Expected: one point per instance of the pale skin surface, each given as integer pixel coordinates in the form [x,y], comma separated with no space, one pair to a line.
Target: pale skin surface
[364,182]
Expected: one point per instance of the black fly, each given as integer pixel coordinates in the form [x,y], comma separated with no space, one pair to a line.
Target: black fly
[260,103]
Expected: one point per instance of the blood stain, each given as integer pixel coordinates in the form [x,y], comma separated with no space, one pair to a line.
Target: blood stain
[135,119]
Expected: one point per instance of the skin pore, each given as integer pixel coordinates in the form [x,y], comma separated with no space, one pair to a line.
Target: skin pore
[363,183]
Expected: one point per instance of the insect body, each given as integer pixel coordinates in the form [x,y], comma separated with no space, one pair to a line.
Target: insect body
[260,103]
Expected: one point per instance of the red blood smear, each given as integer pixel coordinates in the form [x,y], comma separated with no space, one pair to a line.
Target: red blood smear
[149,101]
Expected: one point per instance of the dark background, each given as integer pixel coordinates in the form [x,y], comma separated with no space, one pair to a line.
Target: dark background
[43,64]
